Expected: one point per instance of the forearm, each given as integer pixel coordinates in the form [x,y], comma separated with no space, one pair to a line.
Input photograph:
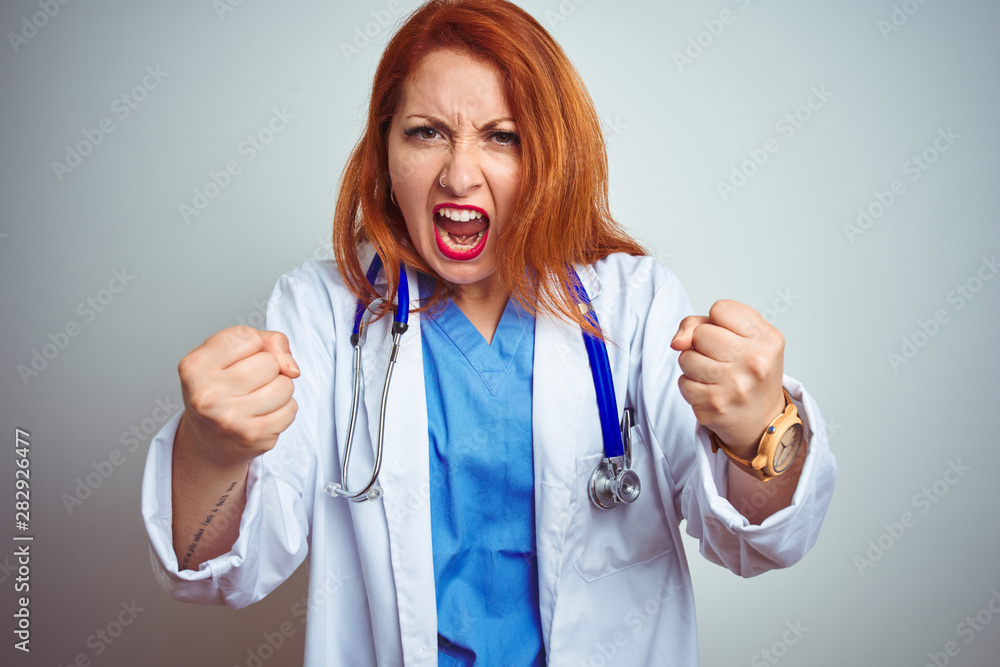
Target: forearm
[208,501]
[757,500]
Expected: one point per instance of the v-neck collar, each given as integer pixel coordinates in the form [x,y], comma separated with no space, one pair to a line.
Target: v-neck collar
[491,361]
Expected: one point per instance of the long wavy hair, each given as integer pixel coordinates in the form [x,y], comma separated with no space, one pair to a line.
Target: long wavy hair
[561,216]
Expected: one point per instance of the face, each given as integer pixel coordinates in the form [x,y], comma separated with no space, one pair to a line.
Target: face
[455,165]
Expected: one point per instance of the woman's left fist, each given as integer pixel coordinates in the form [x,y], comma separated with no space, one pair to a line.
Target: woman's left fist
[732,362]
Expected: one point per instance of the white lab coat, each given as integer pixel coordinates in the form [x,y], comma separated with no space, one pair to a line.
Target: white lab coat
[614,585]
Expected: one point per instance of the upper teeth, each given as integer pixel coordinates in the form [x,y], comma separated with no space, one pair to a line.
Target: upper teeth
[459,215]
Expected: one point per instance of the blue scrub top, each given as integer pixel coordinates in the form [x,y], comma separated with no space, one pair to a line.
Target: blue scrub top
[482,488]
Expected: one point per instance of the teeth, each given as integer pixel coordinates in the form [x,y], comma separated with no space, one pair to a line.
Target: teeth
[462,242]
[459,215]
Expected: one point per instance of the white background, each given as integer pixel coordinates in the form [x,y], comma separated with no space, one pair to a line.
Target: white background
[844,300]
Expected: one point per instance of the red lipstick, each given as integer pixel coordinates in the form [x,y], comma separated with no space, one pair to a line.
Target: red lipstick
[450,234]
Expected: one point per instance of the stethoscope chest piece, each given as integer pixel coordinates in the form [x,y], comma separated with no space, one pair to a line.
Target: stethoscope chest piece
[611,484]
[613,481]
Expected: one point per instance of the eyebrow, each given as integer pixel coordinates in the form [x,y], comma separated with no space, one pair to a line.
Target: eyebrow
[437,123]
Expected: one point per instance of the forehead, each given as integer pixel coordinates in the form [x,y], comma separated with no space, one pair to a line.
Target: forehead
[454,86]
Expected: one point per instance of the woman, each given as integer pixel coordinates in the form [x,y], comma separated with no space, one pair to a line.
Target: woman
[482,172]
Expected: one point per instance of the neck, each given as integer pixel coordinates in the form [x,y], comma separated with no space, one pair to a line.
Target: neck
[483,303]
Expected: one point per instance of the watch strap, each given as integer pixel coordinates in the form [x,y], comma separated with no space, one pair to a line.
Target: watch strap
[741,462]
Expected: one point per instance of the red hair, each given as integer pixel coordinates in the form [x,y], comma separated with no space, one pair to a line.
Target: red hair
[561,216]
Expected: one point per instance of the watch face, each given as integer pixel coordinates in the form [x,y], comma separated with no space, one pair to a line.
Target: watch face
[784,453]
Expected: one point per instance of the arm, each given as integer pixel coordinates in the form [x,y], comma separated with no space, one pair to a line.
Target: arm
[759,500]
[241,503]
[748,528]
[733,363]
[237,392]
[201,492]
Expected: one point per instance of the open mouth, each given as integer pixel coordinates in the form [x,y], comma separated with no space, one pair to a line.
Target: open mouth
[461,231]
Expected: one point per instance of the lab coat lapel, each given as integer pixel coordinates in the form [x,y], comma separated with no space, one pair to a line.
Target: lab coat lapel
[562,388]
[405,478]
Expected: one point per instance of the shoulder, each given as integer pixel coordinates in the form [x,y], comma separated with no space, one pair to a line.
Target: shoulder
[636,294]
[313,279]
[315,272]
[313,294]
[629,275]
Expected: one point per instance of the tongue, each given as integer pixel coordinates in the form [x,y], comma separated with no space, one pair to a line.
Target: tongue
[467,228]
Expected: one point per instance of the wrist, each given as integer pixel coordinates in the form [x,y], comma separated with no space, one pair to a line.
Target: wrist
[744,443]
[191,450]
[774,452]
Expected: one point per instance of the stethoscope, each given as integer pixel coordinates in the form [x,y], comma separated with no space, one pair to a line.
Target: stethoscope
[613,481]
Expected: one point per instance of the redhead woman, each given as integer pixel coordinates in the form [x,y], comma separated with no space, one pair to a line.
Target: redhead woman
[484,422]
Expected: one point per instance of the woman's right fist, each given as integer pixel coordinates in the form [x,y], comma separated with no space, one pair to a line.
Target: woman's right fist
[237,389]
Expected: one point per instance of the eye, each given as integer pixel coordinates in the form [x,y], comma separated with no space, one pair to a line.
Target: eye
[506,138]
[423,132]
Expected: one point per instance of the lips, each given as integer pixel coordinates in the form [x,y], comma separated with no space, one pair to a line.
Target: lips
[460,231]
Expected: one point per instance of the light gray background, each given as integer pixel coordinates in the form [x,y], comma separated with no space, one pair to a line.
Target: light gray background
[778,243]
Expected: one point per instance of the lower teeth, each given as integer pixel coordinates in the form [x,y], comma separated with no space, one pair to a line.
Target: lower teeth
[462,242]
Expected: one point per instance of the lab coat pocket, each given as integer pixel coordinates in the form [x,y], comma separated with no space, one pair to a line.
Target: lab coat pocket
[608,541]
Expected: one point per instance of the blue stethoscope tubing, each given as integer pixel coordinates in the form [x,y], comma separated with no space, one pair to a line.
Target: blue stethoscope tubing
[613,481]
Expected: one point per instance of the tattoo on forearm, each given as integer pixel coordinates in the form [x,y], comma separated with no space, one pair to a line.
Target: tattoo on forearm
[204,524]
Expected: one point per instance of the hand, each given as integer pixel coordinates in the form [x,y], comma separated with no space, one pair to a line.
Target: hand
[237,389]
[732,362]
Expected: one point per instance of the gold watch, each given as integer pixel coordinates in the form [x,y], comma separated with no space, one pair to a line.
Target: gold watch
[778,446]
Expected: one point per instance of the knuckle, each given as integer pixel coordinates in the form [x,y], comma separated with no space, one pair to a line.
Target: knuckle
[243,331]
[255,434]
[715,373]
[720,307]
[759,364]
[714,404]
[189,366]
[777,339]
[229,423]
[280,338]
[241,338]
[744,387]
[293,410]
[203,401]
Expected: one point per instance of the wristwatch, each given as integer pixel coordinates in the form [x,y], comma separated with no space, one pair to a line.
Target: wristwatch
[778,446]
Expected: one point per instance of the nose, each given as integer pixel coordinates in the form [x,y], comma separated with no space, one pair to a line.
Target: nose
[462,173]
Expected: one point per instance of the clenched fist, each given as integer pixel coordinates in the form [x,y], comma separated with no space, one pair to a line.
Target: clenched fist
[732,362]
[237,389]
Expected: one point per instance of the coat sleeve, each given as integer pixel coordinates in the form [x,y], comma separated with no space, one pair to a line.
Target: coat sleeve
[698,478]
[274,526]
